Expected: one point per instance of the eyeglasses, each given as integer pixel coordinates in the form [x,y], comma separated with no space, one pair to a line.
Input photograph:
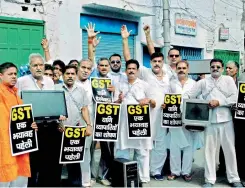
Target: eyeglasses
[213,67]
[115,62]
[173,55]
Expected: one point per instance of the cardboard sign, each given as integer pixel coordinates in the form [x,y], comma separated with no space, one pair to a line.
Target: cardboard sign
[106,123]
[23,137]
[138,121]
[72,145]
[99,88]
[240,112]
[171,115]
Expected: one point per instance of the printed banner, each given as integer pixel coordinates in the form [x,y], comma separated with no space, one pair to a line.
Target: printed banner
[23,137]
[171,114]
[138,121]
[99,88]
[240,112]
[106,124]
[73,144]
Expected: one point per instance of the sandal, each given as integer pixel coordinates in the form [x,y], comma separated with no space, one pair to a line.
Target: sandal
[187,177]
[172,177]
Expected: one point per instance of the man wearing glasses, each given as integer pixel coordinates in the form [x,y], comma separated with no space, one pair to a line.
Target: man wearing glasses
[115,74]
[221,97]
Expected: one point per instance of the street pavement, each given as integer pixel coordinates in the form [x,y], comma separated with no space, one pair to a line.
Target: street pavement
[198,176]
[197,181]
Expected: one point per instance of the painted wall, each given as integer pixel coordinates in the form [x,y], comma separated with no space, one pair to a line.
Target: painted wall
[62,19]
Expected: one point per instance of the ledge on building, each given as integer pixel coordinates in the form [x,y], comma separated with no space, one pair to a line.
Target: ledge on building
[133,13]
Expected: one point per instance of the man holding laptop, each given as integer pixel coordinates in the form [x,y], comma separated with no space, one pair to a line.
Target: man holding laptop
[45,167]
[221,97]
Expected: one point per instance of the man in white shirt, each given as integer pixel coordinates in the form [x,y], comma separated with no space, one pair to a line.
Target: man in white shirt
[221,92]
[133,91]
[45,167]
[84,70]
[180,138]
[78,114]
[158,80]
[173,54]
[116,64]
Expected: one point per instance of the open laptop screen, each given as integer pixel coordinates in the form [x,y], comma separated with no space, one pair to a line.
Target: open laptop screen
[46,105]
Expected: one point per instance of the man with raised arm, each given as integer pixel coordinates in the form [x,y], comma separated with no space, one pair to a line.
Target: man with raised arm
[134,91]
[159,85]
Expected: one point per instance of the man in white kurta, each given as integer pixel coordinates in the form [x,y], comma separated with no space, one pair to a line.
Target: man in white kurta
[158,79]
[221,93]
[180,138]
[133,91]
[84,71]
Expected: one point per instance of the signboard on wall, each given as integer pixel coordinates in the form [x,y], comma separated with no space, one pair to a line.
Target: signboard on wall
[223,33]
[185,25]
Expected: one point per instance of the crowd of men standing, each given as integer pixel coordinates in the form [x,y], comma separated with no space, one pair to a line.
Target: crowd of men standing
[137,85]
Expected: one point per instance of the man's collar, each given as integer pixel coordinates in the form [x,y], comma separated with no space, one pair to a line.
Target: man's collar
[73,87]
[11,89]
[42,81]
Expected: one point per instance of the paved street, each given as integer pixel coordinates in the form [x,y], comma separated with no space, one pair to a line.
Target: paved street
[198,177]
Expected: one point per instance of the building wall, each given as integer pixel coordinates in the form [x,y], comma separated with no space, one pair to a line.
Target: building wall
[62,19]
[211,15]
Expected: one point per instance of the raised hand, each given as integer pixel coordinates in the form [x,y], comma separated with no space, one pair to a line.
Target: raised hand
[146,29]
[90,30]
[124,32]
[44,43]
[96,41]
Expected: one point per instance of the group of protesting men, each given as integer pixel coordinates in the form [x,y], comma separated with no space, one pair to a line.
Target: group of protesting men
[137,85]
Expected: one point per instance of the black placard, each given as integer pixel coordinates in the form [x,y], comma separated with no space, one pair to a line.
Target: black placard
[73,144]
[100,91]
[240,111]
[106,124]
[138,121]
[171,115]
[23,137]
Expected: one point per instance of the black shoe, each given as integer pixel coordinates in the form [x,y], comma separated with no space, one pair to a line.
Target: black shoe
[207,185]
[236,184]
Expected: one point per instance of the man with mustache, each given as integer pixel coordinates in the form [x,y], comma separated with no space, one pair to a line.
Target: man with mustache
[78,114]
[221,92]
[159,82]
[115,60]
[103,68]
[173,54]
[180,138]
[232,69]
[14,170]
[134,91]
[45,167]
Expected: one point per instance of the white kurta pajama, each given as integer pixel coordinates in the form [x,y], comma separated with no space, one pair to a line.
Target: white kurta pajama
[221,129]
[180,138]
[158,88]
[132,94]
[85,166]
